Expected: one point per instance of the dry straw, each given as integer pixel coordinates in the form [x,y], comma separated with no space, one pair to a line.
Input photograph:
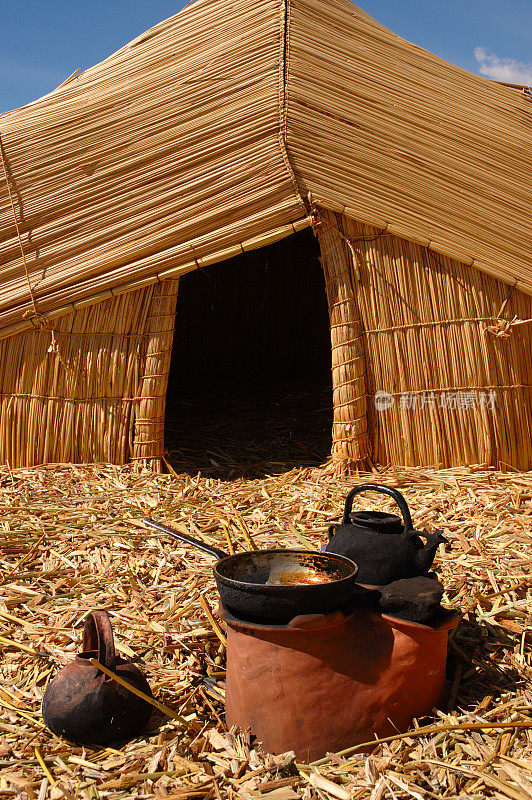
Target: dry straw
[73,541]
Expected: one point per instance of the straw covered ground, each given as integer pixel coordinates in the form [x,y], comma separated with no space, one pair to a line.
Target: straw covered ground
[72,541]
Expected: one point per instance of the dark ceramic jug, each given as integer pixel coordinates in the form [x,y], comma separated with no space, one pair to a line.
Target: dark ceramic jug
[385,549]
[83,704]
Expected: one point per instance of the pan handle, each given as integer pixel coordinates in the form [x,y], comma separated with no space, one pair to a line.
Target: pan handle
[183,537]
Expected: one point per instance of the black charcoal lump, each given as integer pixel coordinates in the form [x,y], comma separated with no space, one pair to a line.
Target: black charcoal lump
[415,599]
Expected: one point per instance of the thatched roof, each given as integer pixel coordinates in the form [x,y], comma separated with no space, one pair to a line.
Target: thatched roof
[207,133]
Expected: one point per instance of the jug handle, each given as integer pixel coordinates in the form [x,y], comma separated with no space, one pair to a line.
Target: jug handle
[98,635]
[378,487]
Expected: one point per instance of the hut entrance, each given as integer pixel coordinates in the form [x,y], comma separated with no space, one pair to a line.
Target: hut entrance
[249,391]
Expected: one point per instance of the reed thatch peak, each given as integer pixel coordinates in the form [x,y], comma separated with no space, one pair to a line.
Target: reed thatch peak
[219,128]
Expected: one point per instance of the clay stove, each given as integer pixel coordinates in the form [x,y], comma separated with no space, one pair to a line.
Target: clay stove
[323,683]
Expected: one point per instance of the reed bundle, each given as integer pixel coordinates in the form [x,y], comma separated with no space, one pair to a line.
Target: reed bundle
[350,447]
[148,437]
[73,541]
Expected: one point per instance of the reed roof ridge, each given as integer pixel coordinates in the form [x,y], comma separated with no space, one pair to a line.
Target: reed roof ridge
[284,62]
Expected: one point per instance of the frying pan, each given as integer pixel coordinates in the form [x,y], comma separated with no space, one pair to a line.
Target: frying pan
[268,585]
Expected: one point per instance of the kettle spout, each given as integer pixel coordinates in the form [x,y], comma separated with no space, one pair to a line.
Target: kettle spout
[426,554]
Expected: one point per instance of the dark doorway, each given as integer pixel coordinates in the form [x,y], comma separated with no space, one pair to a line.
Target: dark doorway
[250,384]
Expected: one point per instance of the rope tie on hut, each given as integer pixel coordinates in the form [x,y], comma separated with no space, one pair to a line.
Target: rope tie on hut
[347,383]
[102,334]
[346,404]
[38,320]
[350,361]
[152,420]
[503,327]
[149,420]
[340,302]
[163,351]
[499,328]
[433,323]
[318,221]
[147,442]
[345,341]
[77,400]
[454,389]
[38,317]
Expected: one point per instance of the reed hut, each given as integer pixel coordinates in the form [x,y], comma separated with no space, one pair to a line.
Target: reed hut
[221,131]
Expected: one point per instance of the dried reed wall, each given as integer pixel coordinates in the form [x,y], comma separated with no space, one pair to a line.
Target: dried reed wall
[93,387]
[418,326]
[458,393]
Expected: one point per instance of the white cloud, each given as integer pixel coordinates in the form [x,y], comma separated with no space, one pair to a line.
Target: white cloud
[502,69]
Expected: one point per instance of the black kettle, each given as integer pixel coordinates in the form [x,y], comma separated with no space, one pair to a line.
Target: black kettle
[384,548]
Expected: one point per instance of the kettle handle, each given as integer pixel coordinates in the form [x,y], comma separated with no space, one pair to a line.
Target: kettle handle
[98,635]
[378,487]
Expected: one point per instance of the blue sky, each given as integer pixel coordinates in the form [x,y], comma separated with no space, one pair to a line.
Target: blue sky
[43,41]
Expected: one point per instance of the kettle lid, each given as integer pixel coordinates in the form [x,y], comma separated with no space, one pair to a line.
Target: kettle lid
[379,521]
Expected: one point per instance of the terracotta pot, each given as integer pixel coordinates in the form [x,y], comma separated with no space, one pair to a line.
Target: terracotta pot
[324,683]
[83,704]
